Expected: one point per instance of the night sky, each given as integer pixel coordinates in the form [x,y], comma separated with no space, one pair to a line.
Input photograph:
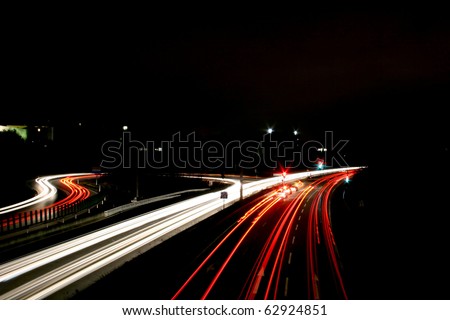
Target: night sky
[221,72]
[379,79]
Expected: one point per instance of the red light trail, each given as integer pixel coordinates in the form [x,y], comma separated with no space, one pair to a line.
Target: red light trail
[264,277]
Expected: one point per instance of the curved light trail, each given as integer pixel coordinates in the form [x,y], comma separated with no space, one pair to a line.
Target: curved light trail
[319,211]
[76,191]
[46,190]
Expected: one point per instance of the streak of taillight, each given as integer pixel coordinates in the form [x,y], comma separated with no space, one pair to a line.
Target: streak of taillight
[76,191]
[214,280]
[291,212]
[249,213]
[328,234]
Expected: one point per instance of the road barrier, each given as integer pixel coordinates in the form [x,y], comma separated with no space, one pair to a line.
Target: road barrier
[13,221]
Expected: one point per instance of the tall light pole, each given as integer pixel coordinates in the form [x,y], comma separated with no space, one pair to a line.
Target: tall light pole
[269,132]
[241,181]
[125,128]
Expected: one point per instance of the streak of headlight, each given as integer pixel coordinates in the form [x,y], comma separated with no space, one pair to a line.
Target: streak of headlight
[22,265]
[46,191]
[62,276]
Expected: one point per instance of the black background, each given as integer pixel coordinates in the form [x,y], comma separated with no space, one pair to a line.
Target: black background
[379,79]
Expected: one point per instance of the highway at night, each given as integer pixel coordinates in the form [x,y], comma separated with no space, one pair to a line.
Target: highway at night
[64,268]
[290,162]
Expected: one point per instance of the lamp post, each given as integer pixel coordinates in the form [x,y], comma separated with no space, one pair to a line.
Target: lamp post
[269,132]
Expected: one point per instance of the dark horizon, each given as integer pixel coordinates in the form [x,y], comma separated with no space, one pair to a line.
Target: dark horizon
[377,79]
[215,73]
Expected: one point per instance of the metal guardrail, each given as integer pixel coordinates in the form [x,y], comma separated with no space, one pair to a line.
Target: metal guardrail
[14,221]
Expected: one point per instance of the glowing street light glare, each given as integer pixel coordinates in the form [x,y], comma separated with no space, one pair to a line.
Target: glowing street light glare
[270,130]
[295,132]
[125,128]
